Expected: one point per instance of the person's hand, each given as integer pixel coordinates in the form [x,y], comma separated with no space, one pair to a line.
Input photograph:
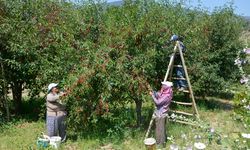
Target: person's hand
[63,93]
[151,93]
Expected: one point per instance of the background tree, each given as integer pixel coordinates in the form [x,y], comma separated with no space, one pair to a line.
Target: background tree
[107,57]
[40,52]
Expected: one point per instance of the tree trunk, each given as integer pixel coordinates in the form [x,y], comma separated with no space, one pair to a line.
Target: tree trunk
[17,96]
[138,104]
[6,104]
[5,100]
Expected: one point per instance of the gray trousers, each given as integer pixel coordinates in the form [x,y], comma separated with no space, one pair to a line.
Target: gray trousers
[160,131]
[56,126]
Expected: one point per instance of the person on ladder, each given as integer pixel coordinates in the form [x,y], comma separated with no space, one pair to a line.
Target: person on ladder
[180,83]
[162,100]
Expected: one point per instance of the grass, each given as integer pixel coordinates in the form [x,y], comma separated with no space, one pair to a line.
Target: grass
[22,134]
[215,113]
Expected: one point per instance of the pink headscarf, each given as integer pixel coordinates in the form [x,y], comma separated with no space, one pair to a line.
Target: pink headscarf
[166,92]
[163,99]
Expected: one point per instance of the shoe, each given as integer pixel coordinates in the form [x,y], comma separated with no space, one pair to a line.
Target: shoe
[161,147]
[181,89]
[64,139]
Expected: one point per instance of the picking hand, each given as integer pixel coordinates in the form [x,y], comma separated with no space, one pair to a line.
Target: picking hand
[63,93]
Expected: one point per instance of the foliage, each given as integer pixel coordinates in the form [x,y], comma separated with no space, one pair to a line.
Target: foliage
[107,56]
[33,55]
[242,107]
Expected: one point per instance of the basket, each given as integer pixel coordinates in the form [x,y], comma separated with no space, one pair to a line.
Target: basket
[150,143]
[42,142]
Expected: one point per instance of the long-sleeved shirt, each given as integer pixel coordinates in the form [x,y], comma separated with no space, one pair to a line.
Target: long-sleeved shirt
[162,103]
[54,107]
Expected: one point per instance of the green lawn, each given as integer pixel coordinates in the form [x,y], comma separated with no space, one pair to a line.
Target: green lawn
[23,134]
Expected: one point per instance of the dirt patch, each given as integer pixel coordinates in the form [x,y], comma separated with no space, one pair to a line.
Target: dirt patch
[71,147]
[107,147]
[23,125]
[214,102]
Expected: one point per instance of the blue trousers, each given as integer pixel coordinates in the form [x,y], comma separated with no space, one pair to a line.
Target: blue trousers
[180,74]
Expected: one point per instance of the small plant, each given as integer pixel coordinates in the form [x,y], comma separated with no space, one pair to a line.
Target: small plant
[199,137]
[242,107]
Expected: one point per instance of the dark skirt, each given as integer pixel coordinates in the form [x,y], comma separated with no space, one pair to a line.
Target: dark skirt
[56,126]
[160,132]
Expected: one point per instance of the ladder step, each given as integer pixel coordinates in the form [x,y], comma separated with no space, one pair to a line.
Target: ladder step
[178,66]
[183,122]
[185,91]
[181,112]
[182,103]
[178,78]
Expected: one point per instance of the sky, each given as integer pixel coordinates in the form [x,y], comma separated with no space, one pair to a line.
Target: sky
[241,7]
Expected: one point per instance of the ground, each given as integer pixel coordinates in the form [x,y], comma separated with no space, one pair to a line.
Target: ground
[23,134]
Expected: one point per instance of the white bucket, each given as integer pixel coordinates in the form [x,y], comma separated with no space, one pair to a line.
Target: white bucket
[199,145]
[150,143]
[55,141]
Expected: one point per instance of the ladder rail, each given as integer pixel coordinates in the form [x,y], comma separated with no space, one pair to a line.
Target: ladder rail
[150,125]
[183,122]
[170,64]
[187,78]
[171,72]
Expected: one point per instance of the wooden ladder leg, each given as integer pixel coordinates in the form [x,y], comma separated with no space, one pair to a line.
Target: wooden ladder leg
[171,71]
[188,80]
[171,63]
[150,126]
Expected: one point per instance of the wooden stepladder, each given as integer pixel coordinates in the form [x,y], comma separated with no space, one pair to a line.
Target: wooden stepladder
[169,76]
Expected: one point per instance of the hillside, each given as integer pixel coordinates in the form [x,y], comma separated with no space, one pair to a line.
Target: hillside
[120,2]
[247,18]
[116,3]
